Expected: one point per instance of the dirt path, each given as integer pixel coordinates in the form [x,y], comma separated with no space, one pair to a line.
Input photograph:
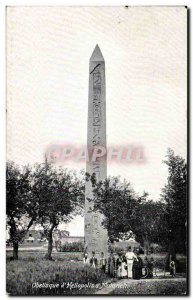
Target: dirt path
[126,283]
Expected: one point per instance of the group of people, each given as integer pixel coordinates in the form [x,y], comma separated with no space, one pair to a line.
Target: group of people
[124,265]
[129,265]
[93,261]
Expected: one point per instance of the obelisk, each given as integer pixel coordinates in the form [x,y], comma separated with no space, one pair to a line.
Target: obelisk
[95,234]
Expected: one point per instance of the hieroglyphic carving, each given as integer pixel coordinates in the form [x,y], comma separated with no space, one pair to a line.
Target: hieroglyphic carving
[88,227]
[93,243]
[96,221]
[96,114]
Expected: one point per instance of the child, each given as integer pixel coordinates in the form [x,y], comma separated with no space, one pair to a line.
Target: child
[124,267]
[119,266]
[172,268]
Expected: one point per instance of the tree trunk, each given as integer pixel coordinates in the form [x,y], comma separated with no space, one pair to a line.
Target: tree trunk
[146,245]
[15,250]
[172,251]
[14,233]
[50,243]
[171,254]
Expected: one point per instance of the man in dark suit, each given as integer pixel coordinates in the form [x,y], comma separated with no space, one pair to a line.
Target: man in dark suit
[93,261]
[103,262]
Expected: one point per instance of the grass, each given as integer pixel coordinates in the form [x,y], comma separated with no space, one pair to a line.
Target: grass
[68,272]
[160,261]
[66,269]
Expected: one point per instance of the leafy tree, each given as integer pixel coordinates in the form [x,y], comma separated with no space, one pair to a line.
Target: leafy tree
[59,195]
[174,195]
[20,205]
[124,210]
[117,201]
[149,222]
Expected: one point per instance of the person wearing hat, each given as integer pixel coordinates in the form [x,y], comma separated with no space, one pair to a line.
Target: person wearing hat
[93,261]
[130,256]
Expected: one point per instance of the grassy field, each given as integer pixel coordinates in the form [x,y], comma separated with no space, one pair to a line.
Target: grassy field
[160,261]
[33,275]
[25,275]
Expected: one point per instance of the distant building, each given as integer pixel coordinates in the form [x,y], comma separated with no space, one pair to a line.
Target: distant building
[61,238]
[60,234]
[67,240]
[34,236]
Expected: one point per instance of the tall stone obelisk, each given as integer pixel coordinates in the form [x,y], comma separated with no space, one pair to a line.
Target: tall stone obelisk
[95,235]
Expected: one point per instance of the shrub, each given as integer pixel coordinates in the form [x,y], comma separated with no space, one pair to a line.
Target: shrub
[155,248]
[73,247]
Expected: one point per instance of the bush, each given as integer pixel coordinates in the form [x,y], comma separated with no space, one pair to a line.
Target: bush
[73,247]
[141,250]
[155,248]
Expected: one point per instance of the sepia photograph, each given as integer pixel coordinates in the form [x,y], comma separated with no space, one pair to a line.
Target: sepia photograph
[96,150]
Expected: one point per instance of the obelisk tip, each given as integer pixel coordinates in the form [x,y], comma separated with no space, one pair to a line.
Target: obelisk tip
[97,55]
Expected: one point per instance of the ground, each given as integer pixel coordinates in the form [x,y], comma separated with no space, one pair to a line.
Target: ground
[33,275]
[158,286]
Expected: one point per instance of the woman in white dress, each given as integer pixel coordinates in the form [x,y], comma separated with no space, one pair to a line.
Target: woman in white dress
[124,267]
[119,266]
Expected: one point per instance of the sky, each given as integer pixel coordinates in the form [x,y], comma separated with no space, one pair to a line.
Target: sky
[48,51]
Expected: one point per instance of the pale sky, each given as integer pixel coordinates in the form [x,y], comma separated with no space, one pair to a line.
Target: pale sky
[48,51]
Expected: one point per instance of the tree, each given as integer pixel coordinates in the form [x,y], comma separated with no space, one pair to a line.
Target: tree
[118,202]
[149,222]
[174,195]
[20,205]
[124,210]
[59,195]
